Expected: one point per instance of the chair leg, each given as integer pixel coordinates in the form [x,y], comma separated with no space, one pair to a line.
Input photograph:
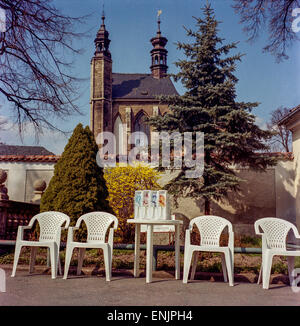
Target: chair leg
[111,246]
[59,266]
[259,275]
[107,262]
[48,257]
[229,267]
[187,263]
[80,260]
[69,252]
[16,259]
[224,267]
[266,272]
[291,265]
[32,259]
[194,264]
[53,260]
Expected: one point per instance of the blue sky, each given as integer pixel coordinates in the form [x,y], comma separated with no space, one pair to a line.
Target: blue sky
[131,24]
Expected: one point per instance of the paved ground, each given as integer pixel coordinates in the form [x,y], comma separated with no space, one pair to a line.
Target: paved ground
[39,289]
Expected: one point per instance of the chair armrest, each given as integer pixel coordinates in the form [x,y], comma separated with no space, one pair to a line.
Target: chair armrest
[296,233]
[256,228]
[111,237]
[21,229]
[187,241]
[78,223]
[231,240]
[70,233]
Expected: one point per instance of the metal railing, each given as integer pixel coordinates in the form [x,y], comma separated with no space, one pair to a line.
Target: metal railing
[158,248]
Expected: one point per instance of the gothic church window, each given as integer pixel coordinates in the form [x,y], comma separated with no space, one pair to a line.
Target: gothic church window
[141,128]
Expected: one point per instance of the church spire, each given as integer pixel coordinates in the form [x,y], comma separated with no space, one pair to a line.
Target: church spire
[159,54]
[102,41]
[101,83]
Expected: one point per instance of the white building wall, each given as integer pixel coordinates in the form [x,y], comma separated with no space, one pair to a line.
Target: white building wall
[21,176]
[296,152]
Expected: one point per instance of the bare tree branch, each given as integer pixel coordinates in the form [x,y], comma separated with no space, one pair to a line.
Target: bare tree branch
[276,16]
[36,54]
[282,138]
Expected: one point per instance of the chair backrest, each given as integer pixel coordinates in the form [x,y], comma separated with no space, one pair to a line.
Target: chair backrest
[210,228]
[97,224]
[50,225]
[275,231]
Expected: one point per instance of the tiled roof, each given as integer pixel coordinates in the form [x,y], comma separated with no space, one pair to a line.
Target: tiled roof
[23,150]
[290,115]
[140,86]
[29,158]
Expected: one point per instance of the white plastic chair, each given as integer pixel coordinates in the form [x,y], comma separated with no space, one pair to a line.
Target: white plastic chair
[50,233]
[274,235]
[210,228]
[2,280]
[97,224]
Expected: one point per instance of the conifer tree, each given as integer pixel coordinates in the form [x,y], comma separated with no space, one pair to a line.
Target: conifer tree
[209,105]
[78,185]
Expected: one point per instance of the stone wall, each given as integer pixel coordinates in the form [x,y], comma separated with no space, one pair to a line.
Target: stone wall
[267,194]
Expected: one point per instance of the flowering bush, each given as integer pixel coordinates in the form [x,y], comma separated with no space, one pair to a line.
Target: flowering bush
[122,182]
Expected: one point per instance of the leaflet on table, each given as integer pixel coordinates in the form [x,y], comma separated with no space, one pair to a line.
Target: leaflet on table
[151,204]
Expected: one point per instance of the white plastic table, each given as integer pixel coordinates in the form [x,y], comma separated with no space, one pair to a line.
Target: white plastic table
[149,245]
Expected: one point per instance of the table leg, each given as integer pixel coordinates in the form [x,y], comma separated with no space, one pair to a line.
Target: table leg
[177,252]
[149,258]
[137,251]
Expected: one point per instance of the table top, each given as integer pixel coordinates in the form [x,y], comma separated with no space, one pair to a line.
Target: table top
[148,221]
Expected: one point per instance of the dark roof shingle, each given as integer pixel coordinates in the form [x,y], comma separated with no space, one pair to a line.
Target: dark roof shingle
[141,86]
[23,150]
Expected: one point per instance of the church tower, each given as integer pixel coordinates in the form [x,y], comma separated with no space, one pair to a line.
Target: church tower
[159,54]
[101,83]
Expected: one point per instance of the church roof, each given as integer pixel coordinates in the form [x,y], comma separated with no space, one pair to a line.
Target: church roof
[140,86]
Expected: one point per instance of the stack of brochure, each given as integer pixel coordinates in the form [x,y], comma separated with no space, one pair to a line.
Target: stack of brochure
[151,204]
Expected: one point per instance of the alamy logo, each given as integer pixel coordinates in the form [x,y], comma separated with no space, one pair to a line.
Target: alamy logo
[163,150]
[2,20]
[296,21]
[296,280]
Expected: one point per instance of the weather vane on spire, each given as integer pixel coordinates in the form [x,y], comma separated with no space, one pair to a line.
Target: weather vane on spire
[159,12]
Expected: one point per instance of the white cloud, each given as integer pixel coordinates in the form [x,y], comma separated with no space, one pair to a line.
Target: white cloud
[261,123]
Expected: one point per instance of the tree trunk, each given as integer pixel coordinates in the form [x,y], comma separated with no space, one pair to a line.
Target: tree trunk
[207,207]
